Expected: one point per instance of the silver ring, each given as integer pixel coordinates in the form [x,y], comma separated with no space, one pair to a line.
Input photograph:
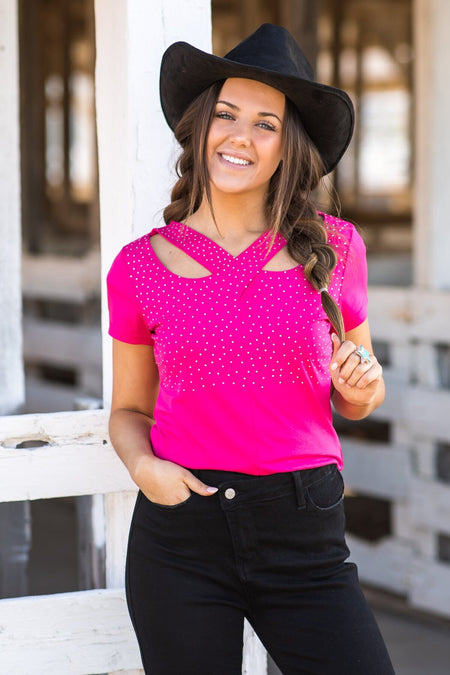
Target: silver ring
[363,354]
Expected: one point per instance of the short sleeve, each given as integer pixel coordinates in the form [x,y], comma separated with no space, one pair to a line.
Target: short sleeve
[354,284]
[126,322]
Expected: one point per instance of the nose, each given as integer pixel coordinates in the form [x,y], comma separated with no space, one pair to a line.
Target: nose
[240,135]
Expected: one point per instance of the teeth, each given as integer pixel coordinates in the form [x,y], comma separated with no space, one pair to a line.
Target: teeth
[236,160]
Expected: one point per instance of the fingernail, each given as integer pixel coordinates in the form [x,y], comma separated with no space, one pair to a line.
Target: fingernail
[341,380]
[211,490]
[334,366]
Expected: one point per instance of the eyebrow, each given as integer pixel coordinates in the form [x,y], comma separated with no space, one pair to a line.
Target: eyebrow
[261,114]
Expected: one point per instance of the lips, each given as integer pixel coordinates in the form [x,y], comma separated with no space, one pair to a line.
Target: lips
[237,161]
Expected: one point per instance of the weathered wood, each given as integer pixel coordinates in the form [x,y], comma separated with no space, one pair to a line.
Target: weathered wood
[50,397]
[377,470]
[62,344]
[424,410]
[65,428]
[431,19]
[254,660]
[70,633]
[61,279]
[430,587]
[118,511]
[430,505]
[78,460]
[61,471]
[387,564]
[406,314]
[11,367]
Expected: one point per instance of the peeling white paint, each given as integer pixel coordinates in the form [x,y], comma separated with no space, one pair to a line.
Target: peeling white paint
[11,366]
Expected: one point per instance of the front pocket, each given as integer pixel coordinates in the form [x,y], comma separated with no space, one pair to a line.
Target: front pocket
[328,492]
[170,507]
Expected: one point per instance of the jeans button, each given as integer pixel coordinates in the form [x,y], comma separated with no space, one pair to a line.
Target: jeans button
[230,493]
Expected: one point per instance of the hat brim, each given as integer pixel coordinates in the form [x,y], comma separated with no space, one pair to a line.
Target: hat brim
[326,112]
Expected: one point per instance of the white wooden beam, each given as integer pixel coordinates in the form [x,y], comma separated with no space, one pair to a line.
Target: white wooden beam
[61,278]
[431,19]
[78,460]
[398,315]
[62,344]
[430,505]
[377,470]
[430,587]
[387,564]
[11,366]
[70,633]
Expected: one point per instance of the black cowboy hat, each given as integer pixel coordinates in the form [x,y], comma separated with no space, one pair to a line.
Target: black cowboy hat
[272,56]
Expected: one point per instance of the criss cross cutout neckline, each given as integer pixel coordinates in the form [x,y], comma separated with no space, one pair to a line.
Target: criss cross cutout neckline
[214,257]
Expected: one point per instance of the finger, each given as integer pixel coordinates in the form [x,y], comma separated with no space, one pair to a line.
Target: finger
[335,341]
[352,369]
[198,486]
[374,374]
[354,376]
[343,352]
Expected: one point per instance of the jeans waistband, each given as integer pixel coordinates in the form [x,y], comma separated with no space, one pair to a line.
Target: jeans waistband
[248,487]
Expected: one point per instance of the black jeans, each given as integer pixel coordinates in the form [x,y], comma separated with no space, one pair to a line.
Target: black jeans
[269,548]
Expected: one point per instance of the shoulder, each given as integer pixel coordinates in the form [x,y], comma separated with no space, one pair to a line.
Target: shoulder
[343,235]
[339,230]
[136,250]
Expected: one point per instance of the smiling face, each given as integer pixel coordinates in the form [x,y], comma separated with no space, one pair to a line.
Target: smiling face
[245,140]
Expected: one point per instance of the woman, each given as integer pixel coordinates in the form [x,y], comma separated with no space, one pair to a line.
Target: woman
[232,326]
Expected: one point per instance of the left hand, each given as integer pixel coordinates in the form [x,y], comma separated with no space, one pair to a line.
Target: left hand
[356,382]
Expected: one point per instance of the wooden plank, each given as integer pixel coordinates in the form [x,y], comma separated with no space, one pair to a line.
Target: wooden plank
[377,470]
[62,344]
[422,409]
[430,587]
[11,367]
[399,314]
[61,279]
[61,471]
[50,397]
[430,505]
[118,511]
[70,633]
[64,428]
[254,659]
[386,564]
[431,19]
[78,459]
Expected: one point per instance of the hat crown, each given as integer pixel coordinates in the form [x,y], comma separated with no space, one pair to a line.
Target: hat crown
[272,48]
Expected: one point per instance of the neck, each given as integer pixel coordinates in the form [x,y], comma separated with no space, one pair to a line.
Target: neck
[236,217]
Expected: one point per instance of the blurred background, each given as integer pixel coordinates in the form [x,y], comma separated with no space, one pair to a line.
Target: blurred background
[398,462]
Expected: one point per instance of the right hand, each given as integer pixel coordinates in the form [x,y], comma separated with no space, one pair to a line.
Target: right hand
[167,483]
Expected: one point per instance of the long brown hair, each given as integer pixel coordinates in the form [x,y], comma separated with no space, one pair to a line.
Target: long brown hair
[289,205]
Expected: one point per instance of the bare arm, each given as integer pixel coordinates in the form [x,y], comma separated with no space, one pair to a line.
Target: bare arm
[358,388]
[135,389]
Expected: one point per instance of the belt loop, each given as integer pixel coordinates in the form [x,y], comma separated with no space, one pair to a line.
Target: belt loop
[299,490]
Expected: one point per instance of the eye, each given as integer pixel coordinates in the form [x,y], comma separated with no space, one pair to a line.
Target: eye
[224,115]
[266,125]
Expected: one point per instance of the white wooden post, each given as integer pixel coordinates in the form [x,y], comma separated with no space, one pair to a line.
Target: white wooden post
[14,518]
[136,156]
[11,367]
[432,166]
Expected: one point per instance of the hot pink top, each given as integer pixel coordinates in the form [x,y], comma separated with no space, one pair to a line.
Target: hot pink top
[243,353]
